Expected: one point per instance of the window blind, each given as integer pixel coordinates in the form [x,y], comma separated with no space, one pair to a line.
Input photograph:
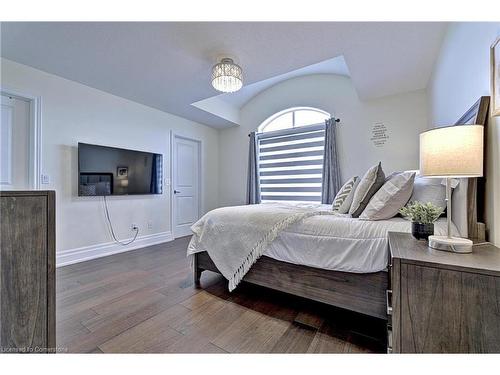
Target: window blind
[291,163]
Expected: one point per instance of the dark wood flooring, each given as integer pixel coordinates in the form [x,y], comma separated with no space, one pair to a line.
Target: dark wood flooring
[144,301]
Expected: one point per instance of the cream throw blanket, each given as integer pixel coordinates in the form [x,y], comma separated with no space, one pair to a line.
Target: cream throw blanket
[235,237]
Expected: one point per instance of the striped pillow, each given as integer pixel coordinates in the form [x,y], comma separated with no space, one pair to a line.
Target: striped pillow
[343,199]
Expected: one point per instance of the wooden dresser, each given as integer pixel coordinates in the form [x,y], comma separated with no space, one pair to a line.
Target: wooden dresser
[440,302]
[27,271]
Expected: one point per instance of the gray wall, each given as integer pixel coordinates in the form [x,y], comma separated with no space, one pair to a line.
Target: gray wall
[72,113]
[461,75]
[404,115]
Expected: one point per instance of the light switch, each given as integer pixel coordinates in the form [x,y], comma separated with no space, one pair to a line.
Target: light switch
[45,179]
[167,181]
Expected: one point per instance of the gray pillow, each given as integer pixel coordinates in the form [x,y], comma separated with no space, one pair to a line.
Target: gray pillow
[429,190]
[373,180]
[390,198]
[387,178]
[343,199]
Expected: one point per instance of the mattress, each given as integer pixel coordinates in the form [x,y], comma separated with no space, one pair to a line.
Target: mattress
[341,243]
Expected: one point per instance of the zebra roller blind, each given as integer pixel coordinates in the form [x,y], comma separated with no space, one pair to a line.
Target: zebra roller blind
[291,162]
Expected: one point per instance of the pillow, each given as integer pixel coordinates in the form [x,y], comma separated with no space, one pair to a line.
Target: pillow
[429,190]
[392,196]
[369,184]
[387,178]
[343,199]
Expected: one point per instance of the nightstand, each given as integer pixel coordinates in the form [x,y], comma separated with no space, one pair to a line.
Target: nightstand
[441,302]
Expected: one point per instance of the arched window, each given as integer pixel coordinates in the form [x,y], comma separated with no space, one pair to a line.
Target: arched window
[291,147]
[293,118]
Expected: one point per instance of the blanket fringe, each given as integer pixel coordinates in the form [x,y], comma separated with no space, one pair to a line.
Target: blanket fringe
[263,243]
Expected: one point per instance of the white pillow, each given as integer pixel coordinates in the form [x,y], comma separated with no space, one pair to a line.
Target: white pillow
[390,198]
[343,199]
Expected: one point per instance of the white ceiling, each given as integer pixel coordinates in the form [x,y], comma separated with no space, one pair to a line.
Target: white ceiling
[227,106]
[167,65]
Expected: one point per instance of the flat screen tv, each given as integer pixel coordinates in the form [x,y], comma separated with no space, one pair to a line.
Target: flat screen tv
[115,171]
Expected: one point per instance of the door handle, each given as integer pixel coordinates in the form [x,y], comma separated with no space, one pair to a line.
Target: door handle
[176,192]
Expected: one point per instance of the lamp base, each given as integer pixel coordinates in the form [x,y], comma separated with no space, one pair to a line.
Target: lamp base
[452,244]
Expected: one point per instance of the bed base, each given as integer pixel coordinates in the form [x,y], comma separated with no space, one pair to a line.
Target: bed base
[363,293]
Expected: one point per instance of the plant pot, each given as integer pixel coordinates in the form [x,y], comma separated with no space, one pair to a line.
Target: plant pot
[422,231]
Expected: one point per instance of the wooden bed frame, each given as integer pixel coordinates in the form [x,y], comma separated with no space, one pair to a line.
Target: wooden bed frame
[364,293]
[360,292]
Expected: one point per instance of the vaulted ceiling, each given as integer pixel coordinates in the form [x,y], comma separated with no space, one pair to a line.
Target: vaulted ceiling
[167,65]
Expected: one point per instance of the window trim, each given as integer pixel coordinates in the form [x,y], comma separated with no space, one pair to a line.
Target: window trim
[273,117]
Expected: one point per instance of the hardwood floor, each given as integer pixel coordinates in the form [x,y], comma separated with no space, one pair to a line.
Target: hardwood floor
[144,301]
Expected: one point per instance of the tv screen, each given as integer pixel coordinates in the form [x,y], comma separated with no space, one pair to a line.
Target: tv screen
[116,171]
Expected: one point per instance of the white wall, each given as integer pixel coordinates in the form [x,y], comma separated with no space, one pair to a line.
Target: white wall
[73,113]
[404,115]
[461,75]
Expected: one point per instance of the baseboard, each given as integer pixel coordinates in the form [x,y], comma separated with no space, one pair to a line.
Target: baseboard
[81,254]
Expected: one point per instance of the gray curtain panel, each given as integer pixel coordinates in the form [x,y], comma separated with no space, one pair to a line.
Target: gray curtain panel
[331,170]
[253,185]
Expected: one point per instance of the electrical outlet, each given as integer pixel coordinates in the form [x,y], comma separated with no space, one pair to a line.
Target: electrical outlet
[45,179]
[134,227]
[150,225]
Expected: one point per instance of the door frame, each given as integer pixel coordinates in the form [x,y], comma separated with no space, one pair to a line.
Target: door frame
[35,133]
[174,135]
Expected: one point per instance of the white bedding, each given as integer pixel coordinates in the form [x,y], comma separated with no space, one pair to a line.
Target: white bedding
[236,237]
[341,243]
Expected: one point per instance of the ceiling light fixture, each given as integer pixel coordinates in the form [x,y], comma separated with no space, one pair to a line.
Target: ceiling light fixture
[227,76]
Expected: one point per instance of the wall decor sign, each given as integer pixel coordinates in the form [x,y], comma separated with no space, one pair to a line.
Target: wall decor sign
[379,134]
[495,77]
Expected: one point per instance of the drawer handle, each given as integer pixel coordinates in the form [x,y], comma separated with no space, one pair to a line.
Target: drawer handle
[388,300]
[389,339]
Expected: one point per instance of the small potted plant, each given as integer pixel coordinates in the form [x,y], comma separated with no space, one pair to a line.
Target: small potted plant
[422,216]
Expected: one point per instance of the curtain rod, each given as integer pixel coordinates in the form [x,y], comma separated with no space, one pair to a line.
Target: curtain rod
[337,120]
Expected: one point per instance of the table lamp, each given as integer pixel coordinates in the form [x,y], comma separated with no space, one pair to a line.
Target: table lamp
[451,152]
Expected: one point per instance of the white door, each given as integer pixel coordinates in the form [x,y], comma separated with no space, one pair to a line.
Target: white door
[14,143]
[185,184]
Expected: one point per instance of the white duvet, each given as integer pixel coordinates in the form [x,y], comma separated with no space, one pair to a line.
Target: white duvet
[236,237]
[334,242]
[341,243]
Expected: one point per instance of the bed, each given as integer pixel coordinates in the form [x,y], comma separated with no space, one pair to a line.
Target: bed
[340,243]
[334,259]
[342,261]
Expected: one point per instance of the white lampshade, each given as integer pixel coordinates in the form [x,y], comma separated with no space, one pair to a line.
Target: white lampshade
[452,151]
